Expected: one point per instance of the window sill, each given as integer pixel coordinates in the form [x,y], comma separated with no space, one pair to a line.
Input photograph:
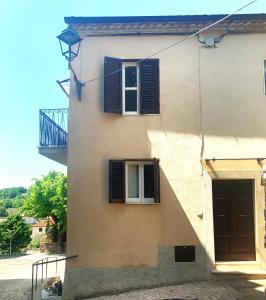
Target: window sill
[131,114]
[142,203]
[138,114]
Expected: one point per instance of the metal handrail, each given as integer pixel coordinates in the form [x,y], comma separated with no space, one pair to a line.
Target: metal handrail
[53,127]
[45,261]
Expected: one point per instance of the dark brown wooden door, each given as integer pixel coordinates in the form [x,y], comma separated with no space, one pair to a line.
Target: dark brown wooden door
[233,220]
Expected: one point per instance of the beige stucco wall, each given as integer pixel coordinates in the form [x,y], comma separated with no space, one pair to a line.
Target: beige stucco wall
[36,234]
[233,113]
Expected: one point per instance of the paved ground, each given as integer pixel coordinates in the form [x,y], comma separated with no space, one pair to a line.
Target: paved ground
[222,290]
[199,290]
[15,284]
[15,275]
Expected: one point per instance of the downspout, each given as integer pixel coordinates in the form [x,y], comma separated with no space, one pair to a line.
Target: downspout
[209,43]
[201,114]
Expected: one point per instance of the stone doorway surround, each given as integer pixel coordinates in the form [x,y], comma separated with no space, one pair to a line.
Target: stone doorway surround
[234,169]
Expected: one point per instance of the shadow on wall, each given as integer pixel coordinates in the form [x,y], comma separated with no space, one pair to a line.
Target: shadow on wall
[265,215]
[179,226]
[174,220]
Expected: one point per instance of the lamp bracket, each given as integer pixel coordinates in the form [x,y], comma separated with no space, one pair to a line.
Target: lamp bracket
[78,83]
[64,85]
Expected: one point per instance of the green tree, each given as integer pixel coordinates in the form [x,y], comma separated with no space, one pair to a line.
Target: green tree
[47,197]
[19,231]
[10,193]
[12,197]
[7,203]
[18,201]
[3,212]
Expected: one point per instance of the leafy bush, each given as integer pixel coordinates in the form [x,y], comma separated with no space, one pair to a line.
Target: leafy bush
[35,244]
[7,204]
[3,212]
[18,230]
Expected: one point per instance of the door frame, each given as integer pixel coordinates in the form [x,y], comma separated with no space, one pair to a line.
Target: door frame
[252,182]
[258,201]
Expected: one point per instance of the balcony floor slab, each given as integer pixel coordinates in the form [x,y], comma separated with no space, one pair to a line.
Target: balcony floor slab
[58,154]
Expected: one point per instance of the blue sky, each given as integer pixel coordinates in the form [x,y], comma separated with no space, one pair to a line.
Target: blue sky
[31,63]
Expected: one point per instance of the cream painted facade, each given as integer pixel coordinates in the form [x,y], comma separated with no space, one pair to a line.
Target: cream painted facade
[211,126]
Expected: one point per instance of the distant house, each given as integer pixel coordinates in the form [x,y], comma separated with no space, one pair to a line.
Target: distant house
[29,220]
[11,210]
[165,154]
[38,229]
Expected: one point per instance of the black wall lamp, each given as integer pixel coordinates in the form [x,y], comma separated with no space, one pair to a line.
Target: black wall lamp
[67,39]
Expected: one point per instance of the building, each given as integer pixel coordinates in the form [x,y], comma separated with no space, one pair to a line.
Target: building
[29,220]
[38,229]
[165,155]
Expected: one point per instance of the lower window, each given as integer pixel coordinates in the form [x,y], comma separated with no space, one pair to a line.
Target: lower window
[139,182]
[134,181]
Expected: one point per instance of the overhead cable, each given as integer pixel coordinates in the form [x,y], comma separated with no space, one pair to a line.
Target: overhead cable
[175,43]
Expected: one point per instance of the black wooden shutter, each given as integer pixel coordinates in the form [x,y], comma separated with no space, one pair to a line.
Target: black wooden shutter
[113,85]
[156,181]
[149,86]
[116,181]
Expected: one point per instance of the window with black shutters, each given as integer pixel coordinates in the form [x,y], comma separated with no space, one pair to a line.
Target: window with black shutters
[131,87]
[134,181]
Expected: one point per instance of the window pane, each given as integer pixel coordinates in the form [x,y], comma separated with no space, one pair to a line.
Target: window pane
[131,100]
[133,181]
[148,181]
[131,76]
[265,77]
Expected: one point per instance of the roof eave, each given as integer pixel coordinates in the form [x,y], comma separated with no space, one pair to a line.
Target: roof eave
[161,19]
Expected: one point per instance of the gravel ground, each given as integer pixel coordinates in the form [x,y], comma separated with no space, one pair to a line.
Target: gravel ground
[19,267]
[15,284]
[200,290]
[15,289]
[15,275]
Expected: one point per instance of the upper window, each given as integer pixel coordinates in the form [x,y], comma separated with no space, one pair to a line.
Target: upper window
[134,181]
[131,87]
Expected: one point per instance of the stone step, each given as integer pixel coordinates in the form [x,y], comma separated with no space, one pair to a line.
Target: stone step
[234,274]
[237,266]
[253,297]
[240,283]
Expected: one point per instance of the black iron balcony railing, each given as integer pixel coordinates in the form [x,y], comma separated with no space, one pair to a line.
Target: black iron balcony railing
[53,127]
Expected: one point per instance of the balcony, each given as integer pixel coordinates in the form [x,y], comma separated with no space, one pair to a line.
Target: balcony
[53,134]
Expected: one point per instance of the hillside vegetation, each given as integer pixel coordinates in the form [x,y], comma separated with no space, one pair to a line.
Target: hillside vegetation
[11,198]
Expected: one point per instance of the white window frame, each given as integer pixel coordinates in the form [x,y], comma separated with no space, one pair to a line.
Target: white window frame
[124,88]
[141,199]
[264,76]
